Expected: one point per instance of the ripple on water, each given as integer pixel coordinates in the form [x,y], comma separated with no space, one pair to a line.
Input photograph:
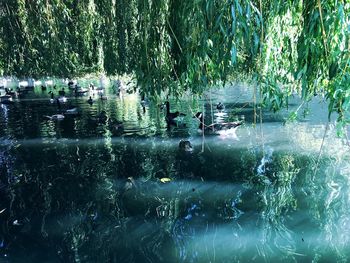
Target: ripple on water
[80,191]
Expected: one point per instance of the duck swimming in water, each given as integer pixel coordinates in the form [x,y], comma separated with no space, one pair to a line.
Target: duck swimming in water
[220,106]
[79,91]
[185,146]
[52,97]
[62,92]
[62,99]
[116,127]
[215,128]
[90,101]
[56,117]
[9,92]
[171,116]
[103,97]
[72,111]
[70,83]
[5,99]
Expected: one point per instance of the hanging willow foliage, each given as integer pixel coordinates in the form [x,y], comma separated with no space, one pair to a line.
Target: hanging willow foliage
[288,46]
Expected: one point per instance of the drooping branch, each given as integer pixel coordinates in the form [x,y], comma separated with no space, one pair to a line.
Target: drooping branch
[185,45]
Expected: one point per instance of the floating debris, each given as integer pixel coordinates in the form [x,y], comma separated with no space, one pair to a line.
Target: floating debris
[165,180]
[16,223]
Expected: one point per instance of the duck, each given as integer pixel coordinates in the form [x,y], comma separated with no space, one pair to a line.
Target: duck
[215,128]
[116,126]
[5,99]
[171,116]
[55,117]
[70,83]
[9,92]
[220,106]
[72,86]
[90,101]
[62,92]
[72,111]
[20,92]
[78,91]
[62,99]
[143,101]
[52,97]
[100,118]
[100,90]
[161,106]
[185,146]
[103,97]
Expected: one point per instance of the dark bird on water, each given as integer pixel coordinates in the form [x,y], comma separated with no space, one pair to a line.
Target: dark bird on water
[215,127]
[103,97]
[185,146]
[62,92]
[171,116]
[90,101]
[220,106]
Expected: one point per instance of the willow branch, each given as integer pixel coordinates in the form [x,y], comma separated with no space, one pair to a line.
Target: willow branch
[323,30]
[177,41]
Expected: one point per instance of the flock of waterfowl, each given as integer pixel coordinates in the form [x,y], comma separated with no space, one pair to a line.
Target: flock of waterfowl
[216,128]
[57,97]
[97,93]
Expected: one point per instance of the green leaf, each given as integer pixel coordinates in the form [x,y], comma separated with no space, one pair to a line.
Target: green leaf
[239,8]
[218,22]
[210,43]
[233,55]
[233,13]
[248,12]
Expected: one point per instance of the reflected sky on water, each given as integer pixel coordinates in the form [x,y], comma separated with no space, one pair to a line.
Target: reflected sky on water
[119,189]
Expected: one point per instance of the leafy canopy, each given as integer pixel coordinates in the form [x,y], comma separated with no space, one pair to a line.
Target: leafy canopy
[285,46]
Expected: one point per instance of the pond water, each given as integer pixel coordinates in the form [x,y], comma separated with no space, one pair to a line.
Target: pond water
[120,190]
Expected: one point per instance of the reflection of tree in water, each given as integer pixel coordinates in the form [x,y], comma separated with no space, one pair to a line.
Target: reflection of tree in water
[100,201]
[277,200]
[324,193]
[291,196]
[6,177]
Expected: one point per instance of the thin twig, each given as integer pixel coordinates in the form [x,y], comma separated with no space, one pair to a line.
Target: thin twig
[211,108]
[260,90]
[323,30]
[203,137]
[261,129]
[254,101]
[322,144]
[177,41]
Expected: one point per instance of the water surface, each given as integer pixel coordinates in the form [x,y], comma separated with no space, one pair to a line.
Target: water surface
[80,190]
